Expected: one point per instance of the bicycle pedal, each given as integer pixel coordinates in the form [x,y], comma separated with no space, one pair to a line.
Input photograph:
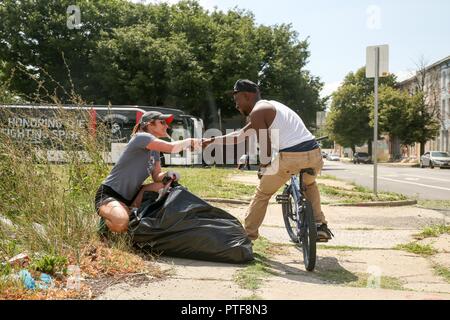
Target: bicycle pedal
[281,198]
[322,240]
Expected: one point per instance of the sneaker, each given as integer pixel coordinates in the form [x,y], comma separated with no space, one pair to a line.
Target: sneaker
[323,233]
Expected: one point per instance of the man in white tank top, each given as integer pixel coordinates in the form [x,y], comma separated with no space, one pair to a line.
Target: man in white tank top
[278,129]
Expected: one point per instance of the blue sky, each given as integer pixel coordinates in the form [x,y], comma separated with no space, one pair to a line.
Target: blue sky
[340,31]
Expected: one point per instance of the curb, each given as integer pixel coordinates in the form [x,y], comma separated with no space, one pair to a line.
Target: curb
[377,204]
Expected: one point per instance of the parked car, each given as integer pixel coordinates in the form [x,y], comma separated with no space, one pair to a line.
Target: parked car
[333,157]
[435,159]
[361,157]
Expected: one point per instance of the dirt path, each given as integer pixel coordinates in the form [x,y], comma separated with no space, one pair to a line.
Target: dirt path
[351,266]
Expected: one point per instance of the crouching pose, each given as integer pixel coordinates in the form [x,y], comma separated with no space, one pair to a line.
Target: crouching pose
[122,189]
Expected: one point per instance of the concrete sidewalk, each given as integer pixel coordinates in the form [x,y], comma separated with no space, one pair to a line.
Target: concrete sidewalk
[364,245]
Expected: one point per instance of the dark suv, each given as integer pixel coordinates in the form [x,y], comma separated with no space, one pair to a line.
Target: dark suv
[361,157]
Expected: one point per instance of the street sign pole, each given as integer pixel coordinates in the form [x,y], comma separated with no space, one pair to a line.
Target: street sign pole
[375,127]
[377,64]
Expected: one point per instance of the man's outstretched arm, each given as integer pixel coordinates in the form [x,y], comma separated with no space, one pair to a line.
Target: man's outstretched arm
[234,137]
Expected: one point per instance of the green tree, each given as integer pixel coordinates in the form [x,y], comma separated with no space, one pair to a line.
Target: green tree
[36,42]
[425,107]
[424,123]
[393,115]
[175,55]
[349,120]
[6,95]
[283,75]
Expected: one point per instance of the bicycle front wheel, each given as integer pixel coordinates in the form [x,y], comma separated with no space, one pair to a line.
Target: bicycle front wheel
[308,236]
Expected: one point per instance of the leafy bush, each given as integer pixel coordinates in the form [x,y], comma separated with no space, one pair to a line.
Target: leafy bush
[50,264]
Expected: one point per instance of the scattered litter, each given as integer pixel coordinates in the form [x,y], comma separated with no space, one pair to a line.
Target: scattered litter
[46,282]
[21,260]
[27,279]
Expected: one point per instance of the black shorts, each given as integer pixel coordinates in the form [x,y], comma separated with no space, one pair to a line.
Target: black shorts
[106,194]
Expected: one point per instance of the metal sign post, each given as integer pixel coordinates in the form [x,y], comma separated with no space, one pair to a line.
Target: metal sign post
[377,65]
[375,127]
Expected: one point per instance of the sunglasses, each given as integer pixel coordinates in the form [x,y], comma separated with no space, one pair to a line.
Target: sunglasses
[163,122]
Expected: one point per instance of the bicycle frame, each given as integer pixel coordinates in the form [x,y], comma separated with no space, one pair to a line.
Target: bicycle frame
[296,186]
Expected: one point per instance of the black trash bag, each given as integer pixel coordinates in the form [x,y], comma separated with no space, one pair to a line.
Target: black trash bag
[182,225]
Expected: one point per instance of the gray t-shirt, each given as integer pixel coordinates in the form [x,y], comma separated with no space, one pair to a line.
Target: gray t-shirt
[134,166]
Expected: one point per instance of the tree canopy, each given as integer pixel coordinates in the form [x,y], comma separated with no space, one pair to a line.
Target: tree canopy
[349,120]
[177,55]
[408,117]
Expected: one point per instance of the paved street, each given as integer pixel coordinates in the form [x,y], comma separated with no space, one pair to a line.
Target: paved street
[424,183]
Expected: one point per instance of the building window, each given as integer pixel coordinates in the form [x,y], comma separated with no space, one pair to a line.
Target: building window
[443,110]
[444,80]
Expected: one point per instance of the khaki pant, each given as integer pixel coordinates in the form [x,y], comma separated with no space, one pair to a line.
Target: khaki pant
[288,163]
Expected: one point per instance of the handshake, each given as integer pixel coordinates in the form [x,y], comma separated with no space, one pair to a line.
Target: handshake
[198,144]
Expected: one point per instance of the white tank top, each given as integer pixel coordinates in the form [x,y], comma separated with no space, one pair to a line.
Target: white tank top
[287,128]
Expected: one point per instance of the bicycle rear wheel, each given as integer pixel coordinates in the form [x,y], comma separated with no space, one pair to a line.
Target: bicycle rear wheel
[308,236]
[290,219]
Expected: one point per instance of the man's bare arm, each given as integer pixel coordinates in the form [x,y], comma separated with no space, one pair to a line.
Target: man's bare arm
[260,125]
[234,137]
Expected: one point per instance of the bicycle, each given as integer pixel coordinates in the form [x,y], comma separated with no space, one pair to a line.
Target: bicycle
[299,218]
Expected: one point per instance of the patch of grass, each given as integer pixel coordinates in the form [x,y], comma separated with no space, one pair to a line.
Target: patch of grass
[327,177]
[252,276]
[433,231]
[214,183]
[442,271]
[358,194]
[416,248]
[360,280]
[252,297]
[434,204]
[359,188]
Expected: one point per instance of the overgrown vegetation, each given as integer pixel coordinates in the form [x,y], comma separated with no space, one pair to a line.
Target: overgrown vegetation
[47,203]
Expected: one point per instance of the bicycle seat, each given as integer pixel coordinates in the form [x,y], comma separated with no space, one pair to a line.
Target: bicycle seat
[309,171]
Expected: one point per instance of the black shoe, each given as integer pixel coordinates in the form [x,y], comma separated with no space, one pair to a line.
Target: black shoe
[323,233]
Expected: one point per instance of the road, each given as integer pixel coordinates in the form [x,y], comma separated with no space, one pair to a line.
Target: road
[432,184]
